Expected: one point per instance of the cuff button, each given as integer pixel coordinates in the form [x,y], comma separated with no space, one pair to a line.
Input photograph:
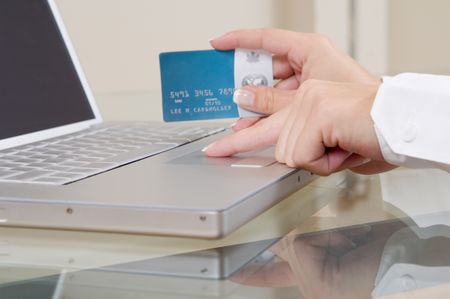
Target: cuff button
[409,132]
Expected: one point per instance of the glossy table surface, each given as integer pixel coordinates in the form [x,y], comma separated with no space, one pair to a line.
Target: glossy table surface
[344,236]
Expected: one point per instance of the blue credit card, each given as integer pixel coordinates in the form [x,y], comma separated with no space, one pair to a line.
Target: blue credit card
[199,85]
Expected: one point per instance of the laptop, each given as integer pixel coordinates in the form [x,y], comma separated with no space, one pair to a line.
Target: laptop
[62,167]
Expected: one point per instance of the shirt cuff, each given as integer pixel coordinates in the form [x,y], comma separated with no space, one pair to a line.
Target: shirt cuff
[411,113]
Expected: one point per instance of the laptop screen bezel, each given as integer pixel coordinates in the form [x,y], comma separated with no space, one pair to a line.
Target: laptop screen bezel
[66,129]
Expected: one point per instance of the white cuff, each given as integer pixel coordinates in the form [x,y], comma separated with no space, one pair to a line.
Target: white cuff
[411,113]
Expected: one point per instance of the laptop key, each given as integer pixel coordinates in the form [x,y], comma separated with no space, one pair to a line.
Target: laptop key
[23,169]
[67,175]
[193,137]
[190,131]
[145,152]
[8,173]
[52,180]
[27,176]
[102,165]
[178,140]
[56,167]
[73,164]
[54,160]
[10,165]
[168,143]
[87,159]
[13,158]
[27,161]
[83,170]
[41,157]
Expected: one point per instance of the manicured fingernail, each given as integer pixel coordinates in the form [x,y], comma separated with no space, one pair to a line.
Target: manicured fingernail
[244,97]
[208,146]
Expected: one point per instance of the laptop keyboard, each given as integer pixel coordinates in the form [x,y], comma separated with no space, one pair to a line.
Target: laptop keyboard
[76,156]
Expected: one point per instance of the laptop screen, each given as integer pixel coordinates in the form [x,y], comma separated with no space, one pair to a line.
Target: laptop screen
[39,85]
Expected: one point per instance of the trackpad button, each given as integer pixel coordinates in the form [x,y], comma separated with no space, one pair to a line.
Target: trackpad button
[254,162]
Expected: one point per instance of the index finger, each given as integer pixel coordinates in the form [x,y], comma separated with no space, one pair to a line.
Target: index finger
[275,41]
[262,134]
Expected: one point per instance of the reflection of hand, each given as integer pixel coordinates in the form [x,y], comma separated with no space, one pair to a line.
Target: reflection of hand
[336,139]
[326,128]
[329,265]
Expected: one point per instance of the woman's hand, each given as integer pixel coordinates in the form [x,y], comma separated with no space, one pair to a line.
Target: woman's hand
[297,57]
[326,128]
[322,137]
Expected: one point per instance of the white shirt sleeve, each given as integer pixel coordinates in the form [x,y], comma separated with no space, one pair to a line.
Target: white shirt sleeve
[411,113]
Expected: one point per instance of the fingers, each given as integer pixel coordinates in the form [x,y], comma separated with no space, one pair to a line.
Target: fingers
[244,123]
[265,100]
[293,124]
[282,68]
[305,148]
[329,128]
[316,130]
[275,41]
[262,134]
[290,83]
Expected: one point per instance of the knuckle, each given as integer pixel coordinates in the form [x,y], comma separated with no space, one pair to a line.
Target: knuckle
[267,31]
[298,162]
[321,40]
[266,105]
[290,162]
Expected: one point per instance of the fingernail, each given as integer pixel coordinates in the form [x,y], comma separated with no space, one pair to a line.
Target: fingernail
[244,97]
[211,39]
[232,125]
[208,146]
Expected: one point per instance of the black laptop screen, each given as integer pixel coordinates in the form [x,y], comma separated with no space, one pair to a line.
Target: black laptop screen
[39,86]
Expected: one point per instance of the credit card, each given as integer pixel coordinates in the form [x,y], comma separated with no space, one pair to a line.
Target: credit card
[199,85]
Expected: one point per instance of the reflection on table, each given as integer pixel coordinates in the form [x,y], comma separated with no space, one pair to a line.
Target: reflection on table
[383,236]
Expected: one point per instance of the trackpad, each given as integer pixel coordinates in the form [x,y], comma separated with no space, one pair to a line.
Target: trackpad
[248,160]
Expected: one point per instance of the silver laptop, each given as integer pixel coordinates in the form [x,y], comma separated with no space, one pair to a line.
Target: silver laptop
[62,167]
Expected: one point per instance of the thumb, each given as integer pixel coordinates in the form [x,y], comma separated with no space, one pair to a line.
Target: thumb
[265,100]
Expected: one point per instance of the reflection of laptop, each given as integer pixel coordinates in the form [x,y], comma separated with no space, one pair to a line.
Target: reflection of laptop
[203,273]
[62,167]
[216,263]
